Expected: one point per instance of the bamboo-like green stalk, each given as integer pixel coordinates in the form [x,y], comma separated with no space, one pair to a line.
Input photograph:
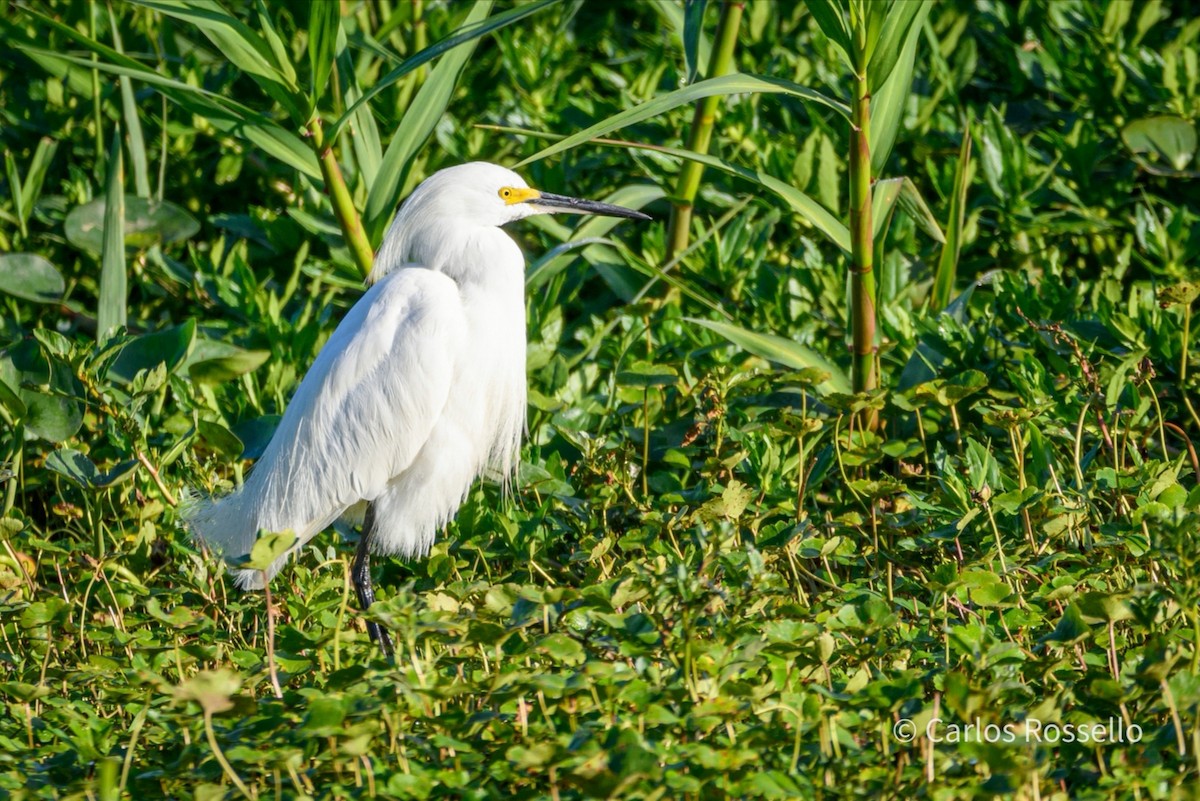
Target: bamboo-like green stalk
[688,184]
[862,244]
[343,204]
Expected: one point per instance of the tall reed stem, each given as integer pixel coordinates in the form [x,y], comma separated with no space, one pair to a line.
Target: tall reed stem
[720,63]
[343,205]
[862,240]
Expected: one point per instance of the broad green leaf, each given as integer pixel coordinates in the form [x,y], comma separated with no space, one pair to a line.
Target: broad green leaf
[423,114]
[212,690]
[324,22]
[116,474]
[30,277]
[228,366]
[279,50]
[148,222]
[220,439]
[256,434]
[1170,138]
[73,465]
[1181,294]
[1071,628]
[884,195]
[464,34]
[269,547]
[48,390]
[645,374]
[168,347]
[113,289]
[778,349]
[734,83]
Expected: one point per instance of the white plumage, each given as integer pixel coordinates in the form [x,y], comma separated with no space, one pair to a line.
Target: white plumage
[420,389]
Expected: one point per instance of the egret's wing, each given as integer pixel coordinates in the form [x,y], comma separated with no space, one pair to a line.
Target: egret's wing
[359,417]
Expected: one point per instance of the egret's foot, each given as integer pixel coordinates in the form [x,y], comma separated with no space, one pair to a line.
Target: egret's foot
[360,572]
[380,635]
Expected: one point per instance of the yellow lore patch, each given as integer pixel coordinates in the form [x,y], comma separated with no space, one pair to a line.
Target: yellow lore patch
[515,194]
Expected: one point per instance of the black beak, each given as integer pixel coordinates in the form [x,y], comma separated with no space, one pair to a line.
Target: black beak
[572,205]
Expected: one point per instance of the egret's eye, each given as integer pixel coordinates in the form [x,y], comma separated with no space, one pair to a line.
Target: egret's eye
[506,193]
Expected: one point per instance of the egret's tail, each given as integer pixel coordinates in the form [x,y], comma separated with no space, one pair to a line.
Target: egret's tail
[230,527]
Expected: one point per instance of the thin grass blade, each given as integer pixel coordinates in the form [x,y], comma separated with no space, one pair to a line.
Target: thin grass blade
[734,83]
[693,34]
[325,21]
[133,123]
[947,269]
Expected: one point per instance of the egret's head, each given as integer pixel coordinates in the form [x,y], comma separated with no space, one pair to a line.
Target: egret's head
[480,193]
[450,202]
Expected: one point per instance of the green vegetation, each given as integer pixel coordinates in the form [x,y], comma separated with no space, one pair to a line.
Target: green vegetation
[893,425]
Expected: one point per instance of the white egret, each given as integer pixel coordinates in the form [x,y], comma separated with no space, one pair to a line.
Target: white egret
[420,389]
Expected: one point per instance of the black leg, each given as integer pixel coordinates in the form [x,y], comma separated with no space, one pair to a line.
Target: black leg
[361,573]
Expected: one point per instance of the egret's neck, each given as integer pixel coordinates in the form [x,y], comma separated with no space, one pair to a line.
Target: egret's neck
[471,255]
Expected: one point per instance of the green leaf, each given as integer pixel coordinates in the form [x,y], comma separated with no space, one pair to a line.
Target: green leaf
[947,268]
[734,83]
[46,388]
[168,347]
[805,206]
[228,366]
[30,277]
[888,101]
[645,374]
[1072,628]
[901,26]
[463,34]
[212,689]
[324,23]
[693,32]
[1181,294]
[14,188]
[423,114]
[226,115]
[364,132]
[148,222]
[832,23]
[73,465]
[1171,139]
[239,44]
[269,547]
[220,439]
[781,350]
[133,123]
[111,312]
